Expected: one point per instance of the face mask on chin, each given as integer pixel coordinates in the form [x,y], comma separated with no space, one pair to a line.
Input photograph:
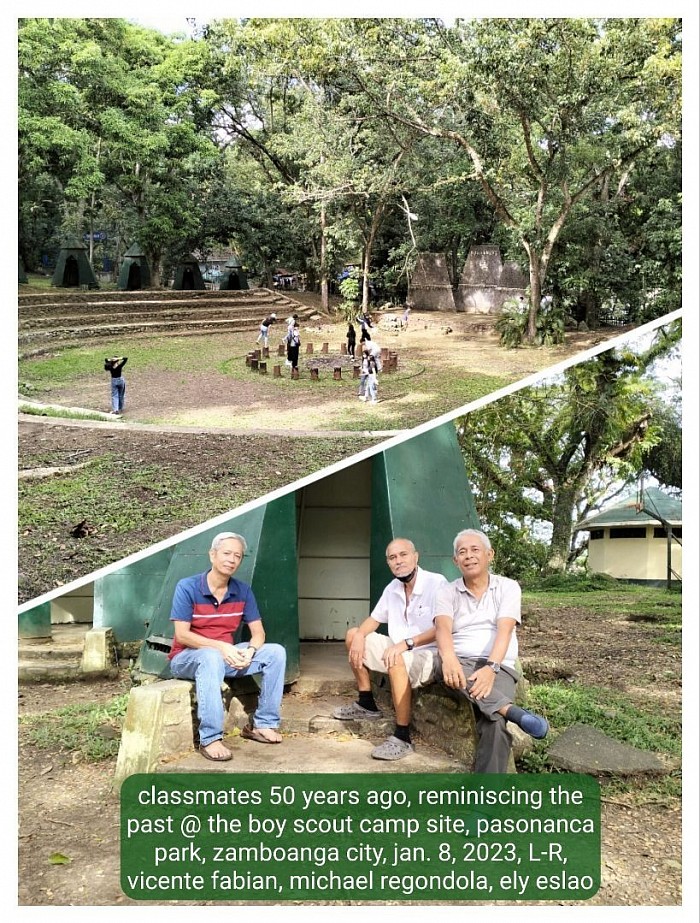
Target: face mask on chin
[408,577]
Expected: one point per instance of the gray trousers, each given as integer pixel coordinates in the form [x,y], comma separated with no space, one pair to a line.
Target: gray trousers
[495,741]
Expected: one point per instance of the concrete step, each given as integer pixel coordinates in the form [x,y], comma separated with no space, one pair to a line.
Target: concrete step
[73,296]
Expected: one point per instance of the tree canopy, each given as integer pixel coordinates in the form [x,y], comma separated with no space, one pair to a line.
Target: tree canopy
[545,457]
[558,139]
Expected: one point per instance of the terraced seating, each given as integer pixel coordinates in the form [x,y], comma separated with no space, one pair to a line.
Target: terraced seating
[59,318]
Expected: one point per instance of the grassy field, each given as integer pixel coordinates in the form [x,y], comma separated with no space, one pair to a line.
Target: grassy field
[622,644]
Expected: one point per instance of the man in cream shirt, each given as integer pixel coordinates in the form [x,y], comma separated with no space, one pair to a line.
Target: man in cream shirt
[475,623]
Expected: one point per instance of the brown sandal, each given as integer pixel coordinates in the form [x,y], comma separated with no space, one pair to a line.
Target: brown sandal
[215,759]
[251,733]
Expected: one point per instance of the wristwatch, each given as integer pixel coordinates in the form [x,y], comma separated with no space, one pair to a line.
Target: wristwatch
[496,667]
[410,643]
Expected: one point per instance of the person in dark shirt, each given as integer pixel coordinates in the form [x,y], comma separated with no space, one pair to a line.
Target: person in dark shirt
[352,340]
[293,344]
[265,327]
[114,366]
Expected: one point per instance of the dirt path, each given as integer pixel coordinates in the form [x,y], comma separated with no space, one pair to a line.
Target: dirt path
[431,365]
[66,806]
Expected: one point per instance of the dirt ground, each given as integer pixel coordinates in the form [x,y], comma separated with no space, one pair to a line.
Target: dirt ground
[66,806]
[208,398]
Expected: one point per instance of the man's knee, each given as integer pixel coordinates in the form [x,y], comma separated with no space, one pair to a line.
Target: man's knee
[275,653]
[208,658]
[351,632]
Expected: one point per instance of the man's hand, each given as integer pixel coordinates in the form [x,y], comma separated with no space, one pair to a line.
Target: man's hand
[235,657]
[356,653]
[452,673]
[392,655]
[481,682]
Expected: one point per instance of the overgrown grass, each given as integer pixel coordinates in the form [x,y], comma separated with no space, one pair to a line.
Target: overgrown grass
[130,504]
[565,705]
[92,730]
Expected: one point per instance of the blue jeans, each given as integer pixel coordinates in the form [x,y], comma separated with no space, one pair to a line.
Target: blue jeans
[118,392]
[206,667]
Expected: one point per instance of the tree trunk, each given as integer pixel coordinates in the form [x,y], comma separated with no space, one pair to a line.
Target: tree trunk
[365,277]
[535,294]
[324,270]
[562,525]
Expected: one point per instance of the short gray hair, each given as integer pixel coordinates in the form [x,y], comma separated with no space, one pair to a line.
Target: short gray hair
[483,538]
[223,536]
[400,539]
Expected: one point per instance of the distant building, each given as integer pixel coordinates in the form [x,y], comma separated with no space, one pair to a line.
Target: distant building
[637,544]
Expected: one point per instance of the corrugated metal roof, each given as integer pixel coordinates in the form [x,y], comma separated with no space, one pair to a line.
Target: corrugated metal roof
[626,512]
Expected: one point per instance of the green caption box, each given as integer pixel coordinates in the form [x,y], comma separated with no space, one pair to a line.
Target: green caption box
[433,837]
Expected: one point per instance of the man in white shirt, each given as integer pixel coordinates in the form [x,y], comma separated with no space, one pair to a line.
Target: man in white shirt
[407,654]
[475,624]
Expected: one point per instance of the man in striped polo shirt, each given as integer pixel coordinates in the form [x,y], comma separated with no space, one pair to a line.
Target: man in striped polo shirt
[207,609]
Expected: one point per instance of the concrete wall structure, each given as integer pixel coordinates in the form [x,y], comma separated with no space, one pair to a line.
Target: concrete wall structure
[430,288]
[641,558]
[485,284]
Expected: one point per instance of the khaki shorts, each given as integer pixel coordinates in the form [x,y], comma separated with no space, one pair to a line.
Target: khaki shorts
[421,663]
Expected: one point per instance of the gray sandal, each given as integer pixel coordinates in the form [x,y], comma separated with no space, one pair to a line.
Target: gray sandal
[355,712]
[393,748]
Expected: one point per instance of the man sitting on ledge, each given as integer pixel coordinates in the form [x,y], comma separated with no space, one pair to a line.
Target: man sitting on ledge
[408,654]
[207,609]
[475,624]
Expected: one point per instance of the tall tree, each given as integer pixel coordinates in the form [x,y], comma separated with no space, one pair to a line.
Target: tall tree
[547,454]
[547,110]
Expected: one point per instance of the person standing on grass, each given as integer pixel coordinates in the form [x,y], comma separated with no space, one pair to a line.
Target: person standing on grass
[265,328]
[114,366]
[352,340]
[293,341]
[372,379]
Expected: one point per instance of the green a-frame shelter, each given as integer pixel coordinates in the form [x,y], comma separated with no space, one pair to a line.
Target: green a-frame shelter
[316,555]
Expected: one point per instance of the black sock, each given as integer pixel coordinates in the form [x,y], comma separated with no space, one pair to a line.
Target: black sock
[401,731]
[366,700]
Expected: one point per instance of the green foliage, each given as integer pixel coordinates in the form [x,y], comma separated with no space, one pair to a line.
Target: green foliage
[512,326]
[301,140]
[58,412]
[575,583]
[548,454]
[350,287]
[93,731]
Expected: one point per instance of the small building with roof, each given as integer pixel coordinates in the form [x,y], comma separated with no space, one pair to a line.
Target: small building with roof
[73,269]
[135,273]
[188,275]
[638,540]
[233,277]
